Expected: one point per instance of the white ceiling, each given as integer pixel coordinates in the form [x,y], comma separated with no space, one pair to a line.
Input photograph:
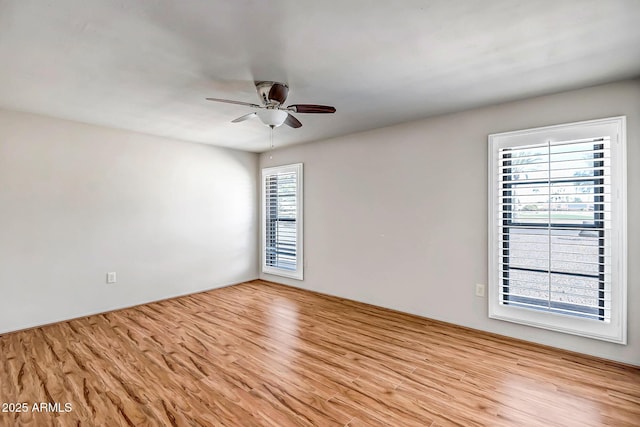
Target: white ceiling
[147,65]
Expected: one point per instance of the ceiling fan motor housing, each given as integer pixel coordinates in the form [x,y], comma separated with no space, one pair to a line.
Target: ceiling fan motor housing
[272,93]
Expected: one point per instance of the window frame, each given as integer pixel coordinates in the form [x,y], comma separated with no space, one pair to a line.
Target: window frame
[616,329]
[298,273]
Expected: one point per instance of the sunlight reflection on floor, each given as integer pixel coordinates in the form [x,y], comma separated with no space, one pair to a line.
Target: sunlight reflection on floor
[582,410]
[283,328]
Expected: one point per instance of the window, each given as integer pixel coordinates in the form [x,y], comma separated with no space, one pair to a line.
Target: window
[557,228]
[282,221]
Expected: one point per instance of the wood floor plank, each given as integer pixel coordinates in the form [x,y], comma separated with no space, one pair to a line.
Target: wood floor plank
[262,354]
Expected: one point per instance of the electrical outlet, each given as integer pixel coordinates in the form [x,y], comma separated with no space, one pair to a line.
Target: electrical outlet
[479,289]
[111,277]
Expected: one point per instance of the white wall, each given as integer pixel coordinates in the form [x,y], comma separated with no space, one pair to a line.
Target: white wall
[77,201]
[397,216]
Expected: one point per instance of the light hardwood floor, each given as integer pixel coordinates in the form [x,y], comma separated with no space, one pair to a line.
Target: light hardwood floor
[264,354]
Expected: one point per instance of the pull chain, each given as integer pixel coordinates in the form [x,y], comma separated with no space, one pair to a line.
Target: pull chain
[271,153]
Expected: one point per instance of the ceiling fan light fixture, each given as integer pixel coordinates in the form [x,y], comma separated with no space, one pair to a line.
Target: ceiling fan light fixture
[272,117]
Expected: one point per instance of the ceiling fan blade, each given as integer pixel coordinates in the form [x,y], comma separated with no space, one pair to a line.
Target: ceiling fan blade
[245,117]
[292,121]
[311,108]
[278,92]
[228,101]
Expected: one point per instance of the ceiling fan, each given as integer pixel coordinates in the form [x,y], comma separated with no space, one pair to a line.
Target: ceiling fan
[271,111]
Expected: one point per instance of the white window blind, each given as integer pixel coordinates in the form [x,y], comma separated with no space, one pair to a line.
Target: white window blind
[555,234]
[282,220]
[558,228]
